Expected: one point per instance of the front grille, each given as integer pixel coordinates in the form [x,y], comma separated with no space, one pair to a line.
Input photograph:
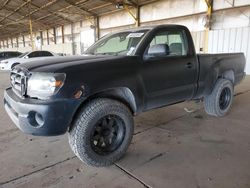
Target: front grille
[18,79]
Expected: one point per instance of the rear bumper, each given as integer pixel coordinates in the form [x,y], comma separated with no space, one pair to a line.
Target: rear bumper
[36,117]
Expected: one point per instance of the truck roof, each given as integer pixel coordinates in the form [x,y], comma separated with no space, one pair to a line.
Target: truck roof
[153,27]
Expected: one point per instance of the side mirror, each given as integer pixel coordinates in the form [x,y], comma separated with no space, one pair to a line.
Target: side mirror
[26,57]
[158,50]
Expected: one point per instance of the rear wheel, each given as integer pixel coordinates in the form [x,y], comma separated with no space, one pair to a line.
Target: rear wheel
[218,103]
[102,132]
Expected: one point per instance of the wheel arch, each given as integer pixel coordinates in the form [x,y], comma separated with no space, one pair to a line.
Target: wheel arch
[217,74]
[14,64]
[229,75]
[121,94]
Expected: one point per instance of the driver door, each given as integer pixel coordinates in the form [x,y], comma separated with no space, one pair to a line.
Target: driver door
[170,77]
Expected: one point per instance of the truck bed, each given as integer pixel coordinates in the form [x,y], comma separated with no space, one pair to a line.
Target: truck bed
[212,66]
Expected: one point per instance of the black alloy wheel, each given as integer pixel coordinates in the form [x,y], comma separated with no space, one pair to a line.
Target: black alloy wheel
[108,134]
[225,98]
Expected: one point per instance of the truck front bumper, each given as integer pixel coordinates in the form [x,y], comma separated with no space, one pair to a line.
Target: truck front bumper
[37,117]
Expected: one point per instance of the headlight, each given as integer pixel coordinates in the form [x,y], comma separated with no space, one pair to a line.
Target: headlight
[44,85]
[4,62]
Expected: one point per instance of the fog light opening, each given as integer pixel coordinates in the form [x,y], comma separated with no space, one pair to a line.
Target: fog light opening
[39,119]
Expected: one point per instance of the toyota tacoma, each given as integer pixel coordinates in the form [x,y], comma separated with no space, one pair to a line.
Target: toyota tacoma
[94,97]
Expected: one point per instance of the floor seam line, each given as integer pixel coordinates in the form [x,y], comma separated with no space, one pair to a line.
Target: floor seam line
[133,176]
[41,169]
[241,93]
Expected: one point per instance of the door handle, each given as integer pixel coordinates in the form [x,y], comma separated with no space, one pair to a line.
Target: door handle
[189,65]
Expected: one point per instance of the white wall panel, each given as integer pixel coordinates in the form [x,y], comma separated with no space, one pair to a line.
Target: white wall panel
[231,18]
[168,9]
[220,4]
[231,41]
[238,40]
[245,39]
[59,48]
[226,40]
[116,19]
[220,41]
[241,2]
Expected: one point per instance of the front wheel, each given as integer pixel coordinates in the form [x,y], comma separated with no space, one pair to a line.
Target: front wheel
[102,132]
[218,103]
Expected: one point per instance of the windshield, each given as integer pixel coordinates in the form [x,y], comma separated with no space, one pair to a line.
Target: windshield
[123,43]
[22,55]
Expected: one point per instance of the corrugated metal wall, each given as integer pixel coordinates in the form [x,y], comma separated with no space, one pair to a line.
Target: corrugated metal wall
[226,41]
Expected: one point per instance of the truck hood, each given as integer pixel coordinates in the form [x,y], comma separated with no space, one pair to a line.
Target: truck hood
[55,64]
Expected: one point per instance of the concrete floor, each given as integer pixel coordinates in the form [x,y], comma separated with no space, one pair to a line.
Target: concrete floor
[170,148]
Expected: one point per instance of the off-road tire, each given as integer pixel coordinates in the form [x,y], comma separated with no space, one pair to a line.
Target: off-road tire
[86,120]
[212,103]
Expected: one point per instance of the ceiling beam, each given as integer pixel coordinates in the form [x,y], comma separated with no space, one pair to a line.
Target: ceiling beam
[54,13]
[57,11]
[149,2]
[128,2]
[101,6]
[14,22]
[76,5]
[4,4]
[17,9]
[38,9]
[30,13]
[133,3]
[39,24]
[110,1]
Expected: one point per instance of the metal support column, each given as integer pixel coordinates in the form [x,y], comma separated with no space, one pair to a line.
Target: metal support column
[54,34]
[17,42]
[47,36]
[135,16]
[63,40]
[138,16]
[31,35]
[97,28]
[23,41]
[11,40]
[41,38]
[73,39]
[208,23]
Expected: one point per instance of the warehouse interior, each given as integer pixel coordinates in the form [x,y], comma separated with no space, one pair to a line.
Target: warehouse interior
[175,146]
[62,26]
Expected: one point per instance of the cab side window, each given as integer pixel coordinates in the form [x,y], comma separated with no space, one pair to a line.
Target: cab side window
[45,53]
[34,54]
[12,54]
[168,43]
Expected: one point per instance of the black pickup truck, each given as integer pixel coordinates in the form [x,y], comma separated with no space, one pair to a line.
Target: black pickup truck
[94,97]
